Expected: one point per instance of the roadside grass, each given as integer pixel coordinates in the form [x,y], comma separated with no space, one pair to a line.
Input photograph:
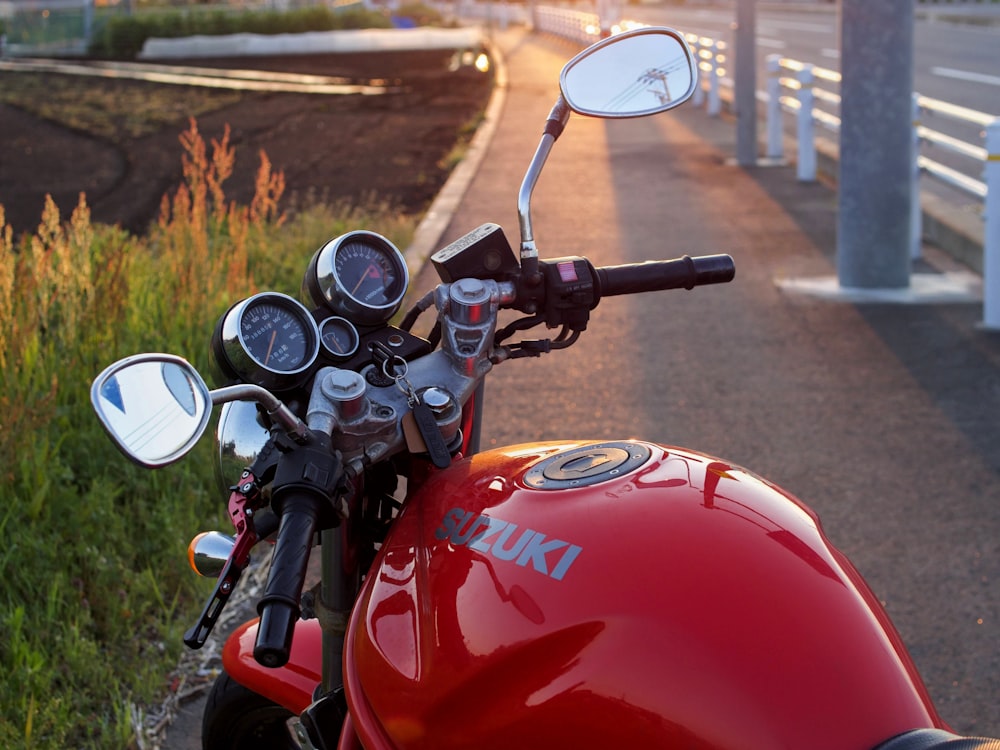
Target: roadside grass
[94,587]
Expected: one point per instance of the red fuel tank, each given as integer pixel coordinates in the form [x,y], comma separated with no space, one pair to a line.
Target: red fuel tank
[619,594]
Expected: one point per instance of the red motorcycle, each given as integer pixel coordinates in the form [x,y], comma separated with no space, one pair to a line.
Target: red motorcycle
[575,594]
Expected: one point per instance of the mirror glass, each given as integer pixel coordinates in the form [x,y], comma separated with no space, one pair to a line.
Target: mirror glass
[637,73]
[155,407]
[240,436]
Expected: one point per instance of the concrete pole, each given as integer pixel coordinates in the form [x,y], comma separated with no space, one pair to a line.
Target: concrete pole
[775,125]
[991,244]
[745,83]
[875,185]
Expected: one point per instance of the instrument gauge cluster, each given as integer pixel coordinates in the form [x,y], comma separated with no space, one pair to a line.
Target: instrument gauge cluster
[360,275]
[354,284]
[269,339]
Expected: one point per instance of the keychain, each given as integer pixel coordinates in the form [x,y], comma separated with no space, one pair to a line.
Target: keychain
[419,425]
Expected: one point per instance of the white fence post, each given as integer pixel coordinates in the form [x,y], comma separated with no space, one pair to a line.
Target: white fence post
[699,93]
[916,213]
[991,233]
[806,135]
[714,101]
[775,137]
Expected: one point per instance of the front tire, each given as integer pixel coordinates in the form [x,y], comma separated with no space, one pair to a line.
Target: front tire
[236,718]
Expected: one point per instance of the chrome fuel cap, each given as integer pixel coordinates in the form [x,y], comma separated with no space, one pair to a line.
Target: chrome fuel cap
[587,465]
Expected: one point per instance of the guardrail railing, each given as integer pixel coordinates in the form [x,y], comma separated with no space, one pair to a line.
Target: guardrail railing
[924,105]
[711,55]
[571,24]
[804,82]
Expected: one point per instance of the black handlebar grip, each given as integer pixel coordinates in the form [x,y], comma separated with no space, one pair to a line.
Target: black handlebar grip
[279,607]
[658,275]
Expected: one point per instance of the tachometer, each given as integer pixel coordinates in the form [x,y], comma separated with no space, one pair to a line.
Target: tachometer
[269,339]
[360,275]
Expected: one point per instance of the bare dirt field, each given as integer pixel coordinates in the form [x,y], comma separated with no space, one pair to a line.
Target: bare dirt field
[117,140]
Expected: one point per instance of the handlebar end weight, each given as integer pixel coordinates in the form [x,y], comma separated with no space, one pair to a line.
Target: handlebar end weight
[274,634]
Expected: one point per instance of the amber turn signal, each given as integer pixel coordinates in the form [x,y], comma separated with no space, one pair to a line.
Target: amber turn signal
[209,552]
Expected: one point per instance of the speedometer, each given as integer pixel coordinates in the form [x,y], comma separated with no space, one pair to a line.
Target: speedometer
[360,275]
[270,340]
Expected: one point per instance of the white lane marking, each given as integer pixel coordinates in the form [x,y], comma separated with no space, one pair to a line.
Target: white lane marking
[796,26]
[965,75]
[771,43]
[833,54]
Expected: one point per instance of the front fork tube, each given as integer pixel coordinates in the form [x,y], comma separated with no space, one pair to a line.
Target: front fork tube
[472,421]
[316,664]
[338,589]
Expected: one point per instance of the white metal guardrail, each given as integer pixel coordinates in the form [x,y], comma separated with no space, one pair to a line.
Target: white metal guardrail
[501,14]
[711,57]
[571,24]
[805,83]
[578,25]
[924,106]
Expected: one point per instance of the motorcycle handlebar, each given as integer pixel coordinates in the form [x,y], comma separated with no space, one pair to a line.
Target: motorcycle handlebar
[279,607]
[656,275]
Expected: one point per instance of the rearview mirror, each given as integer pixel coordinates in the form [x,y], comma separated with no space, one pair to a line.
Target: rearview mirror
[154,407]
[637,73]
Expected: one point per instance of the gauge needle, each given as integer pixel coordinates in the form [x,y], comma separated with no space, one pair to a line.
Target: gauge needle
[270,345]
[370,272]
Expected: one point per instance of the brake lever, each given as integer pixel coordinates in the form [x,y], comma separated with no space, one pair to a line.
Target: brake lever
[244,500]
[244,497]
[196,636]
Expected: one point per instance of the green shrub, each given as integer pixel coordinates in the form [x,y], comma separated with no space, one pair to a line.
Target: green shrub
[122,37]
[421,14]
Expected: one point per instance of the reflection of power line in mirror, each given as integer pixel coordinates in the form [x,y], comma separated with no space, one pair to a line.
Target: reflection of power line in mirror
[649,82]
[651,77]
